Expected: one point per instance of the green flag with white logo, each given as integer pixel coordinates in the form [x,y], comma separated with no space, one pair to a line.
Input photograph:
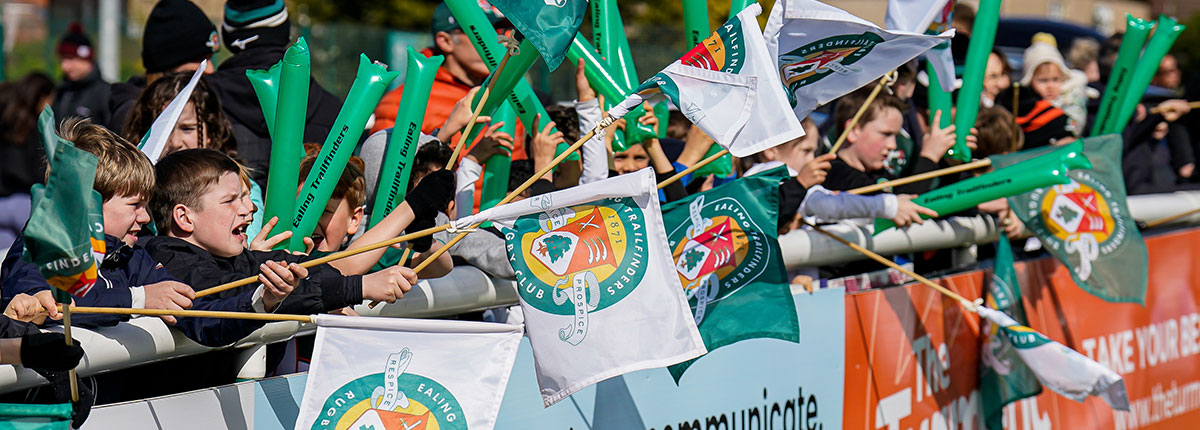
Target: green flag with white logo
[550,25]
[1086,223]
[1003,377]
[728,259]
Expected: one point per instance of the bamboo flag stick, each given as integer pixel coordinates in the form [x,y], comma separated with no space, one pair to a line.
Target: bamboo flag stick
[71,376]
[1161,221]
[977,164]
[331,257]
[466,133]
[861,110]
[1158,109]
[961,300]
[692,168]
[1016,100]
[187,313]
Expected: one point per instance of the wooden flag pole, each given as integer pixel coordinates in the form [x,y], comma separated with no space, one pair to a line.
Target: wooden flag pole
[1016,100]
[186,313]
[977,164]
[1161,221]
[692,168]
[71,376]
[1158,109]
[331,257]
[466,133]
[970,305]
[861,110]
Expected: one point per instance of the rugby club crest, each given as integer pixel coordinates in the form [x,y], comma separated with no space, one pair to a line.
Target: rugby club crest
[837,54]
[1082,219]
[579,259]
[718,252]
[392,400]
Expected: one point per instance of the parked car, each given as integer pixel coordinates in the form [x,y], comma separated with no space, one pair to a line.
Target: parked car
[1015,34]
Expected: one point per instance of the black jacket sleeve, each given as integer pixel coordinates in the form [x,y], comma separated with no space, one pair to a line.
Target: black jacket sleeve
[923,165]
[674,191]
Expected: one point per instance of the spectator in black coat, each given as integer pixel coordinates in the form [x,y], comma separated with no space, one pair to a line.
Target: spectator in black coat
[82,91]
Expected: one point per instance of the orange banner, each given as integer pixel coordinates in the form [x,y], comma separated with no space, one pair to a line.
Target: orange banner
[912,356]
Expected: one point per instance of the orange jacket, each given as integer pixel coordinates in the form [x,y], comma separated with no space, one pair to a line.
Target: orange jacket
[446,92]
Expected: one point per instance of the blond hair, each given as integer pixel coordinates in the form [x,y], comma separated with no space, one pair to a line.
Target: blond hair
[122,169]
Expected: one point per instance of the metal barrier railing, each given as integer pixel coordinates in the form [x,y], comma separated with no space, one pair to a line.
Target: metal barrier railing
[144,340]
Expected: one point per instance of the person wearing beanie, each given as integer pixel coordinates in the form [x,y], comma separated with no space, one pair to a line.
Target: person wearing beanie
[177,38]
[258,32]
[1047,74]
[82,91]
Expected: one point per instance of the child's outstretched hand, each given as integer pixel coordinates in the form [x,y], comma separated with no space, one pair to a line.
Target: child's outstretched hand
[460,116]
[938,140]
[814,172]
[493,143]
[33,309]
[908,212]
[278,280]
[388,285]
[262,242]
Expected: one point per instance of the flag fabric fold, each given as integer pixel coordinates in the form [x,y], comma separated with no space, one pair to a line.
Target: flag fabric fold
[1060,368]
[727,256]
[1086,223]
[812,41]
[931,17]
[550,25]
[727,86]
[1003,376]
[64,237]
[596,281]
[154,142]
[393,373]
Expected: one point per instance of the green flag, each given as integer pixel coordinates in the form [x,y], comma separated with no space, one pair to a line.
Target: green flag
[19,416]
[1086,223]
[550,24]
[1003,376]
[728,259]
[65,234]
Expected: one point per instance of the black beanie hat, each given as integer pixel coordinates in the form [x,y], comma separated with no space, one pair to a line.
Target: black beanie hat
[75,44]
[257,22]
[176,33]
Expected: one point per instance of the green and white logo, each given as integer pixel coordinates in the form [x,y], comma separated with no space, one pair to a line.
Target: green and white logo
[812,62]
[581,259]
[392,400]
[721,250]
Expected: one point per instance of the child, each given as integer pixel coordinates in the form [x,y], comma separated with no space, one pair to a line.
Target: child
[344,216]
[201,220]
[1047,74]
[803,192]
[129,277]
[202,124]
[861,159]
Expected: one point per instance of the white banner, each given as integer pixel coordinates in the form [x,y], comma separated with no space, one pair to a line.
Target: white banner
[597,283]
[823,52]
[928,17]
[392,373]
[155,140]
[727,85]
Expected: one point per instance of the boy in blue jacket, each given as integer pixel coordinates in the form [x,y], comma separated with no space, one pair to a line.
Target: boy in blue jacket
[129,276]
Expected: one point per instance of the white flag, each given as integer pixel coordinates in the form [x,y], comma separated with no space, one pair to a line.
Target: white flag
[597,283]
[727,86]
[392,373]
[928,17]
[155,140]
[823,52]
[1058,367]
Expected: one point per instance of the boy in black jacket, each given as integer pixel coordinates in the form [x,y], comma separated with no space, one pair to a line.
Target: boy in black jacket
[202,218]
[860,160]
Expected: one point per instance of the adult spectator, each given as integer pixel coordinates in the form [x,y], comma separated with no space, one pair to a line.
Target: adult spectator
[257,32]
[82,91]
[462,70]
[177,38]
